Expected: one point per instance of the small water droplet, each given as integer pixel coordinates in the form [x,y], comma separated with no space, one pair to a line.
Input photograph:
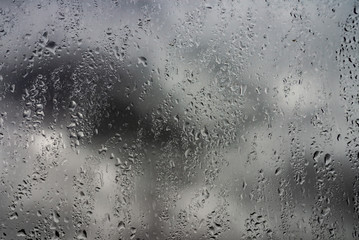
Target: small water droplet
[21,233]
[73,104]
[121,226]
[280,191]
[316,156]
[325,211]
[143,61]
[80,134]
[103,149]
[51,46]
[12,88]
[56,217]
[133,232]
[71,125]
[204,132]
[205,193]
[327,159]
[176,118]
[13,216]
[186,153]
[82,235]
[27,113]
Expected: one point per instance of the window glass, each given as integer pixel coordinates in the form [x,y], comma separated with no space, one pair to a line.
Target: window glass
[179,119]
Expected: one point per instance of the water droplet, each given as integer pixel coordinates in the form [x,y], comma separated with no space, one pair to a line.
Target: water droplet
[176,118]
[186,153]
[13,216]
[205,193]
[133,232]
[12,88]
[82,235]
[327,159]
[103,149]
[27,113]
[143,61]
[204,132]
[316,156]
[71,125]
[280,191]
[21,233]
[44,36]
[51,46]
[73,104]
[80,134]
[56,217]
[325,211]
[121,226]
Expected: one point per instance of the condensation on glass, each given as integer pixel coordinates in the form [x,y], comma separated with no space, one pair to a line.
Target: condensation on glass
[179,119]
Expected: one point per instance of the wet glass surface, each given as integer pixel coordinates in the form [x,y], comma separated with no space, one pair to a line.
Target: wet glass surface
[179,119]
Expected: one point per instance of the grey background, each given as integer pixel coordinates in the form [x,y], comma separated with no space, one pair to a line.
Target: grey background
[179,120]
